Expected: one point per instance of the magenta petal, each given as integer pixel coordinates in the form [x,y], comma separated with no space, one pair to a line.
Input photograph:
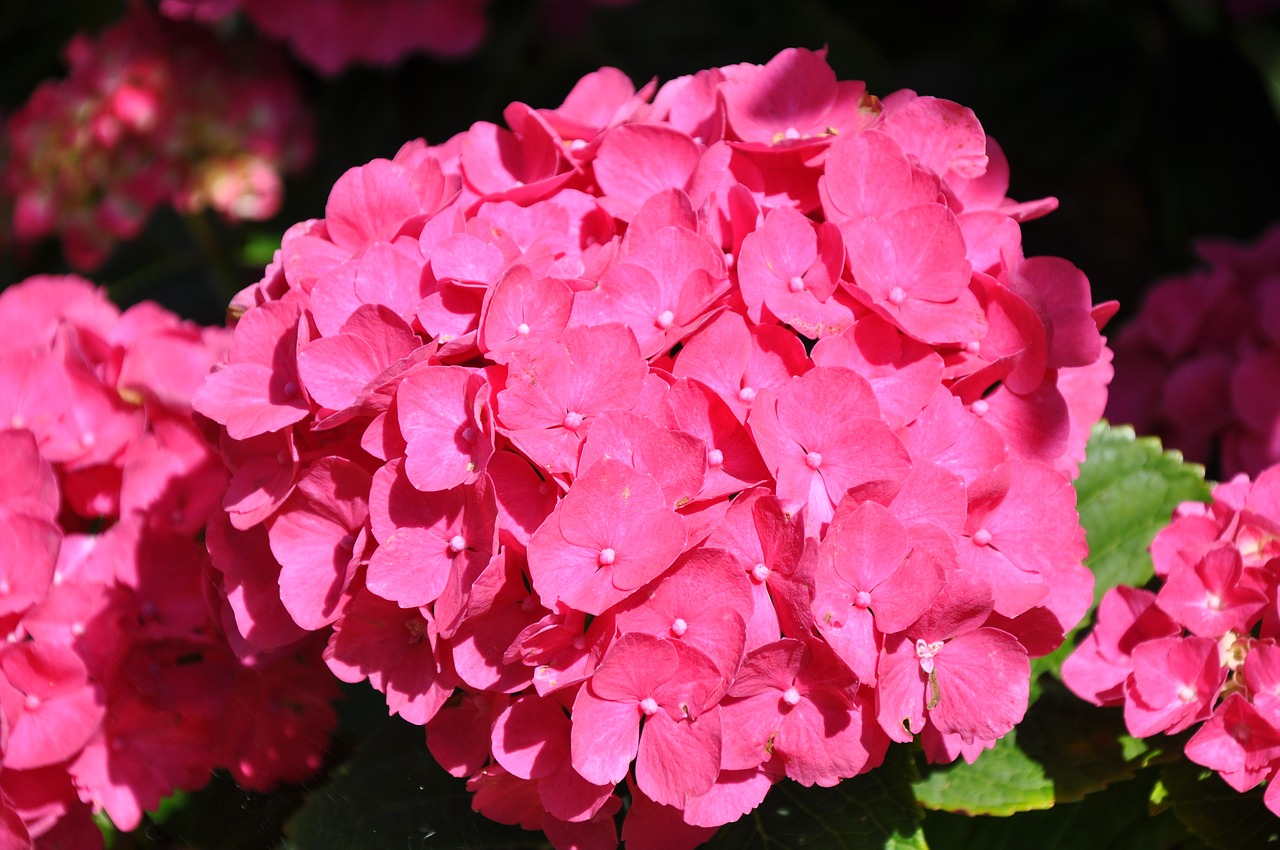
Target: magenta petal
[250,399]
[678,758]
[531,737]
[983,682]
[604,737]
[314,535]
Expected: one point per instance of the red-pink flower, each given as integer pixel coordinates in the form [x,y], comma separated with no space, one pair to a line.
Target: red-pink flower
[734,422]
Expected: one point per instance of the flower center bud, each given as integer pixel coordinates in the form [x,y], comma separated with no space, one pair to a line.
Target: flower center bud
[679,627]
[791,696]
[469,434]
[796,284]
[649,706]
[572,420]
[813,460]
[1186,693]
[746,395]
[77,629]
[863,599]
[457,543]
[925,652]
[291,388]
[897,295]
[522,329]
[759,572]
[665,319]
[31,703]
[1213,602]
[980,407]
[973,346]
[981,537]
[715,458]
[607,557]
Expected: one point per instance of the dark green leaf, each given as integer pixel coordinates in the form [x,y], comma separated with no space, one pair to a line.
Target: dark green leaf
[1115,819]
[1217,813]
[1062,750]
[874,811]
[391,794]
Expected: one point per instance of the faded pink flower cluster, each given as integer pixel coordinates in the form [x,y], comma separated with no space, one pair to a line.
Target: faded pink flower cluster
[151,112]
[1198,365]
[1205,647]
[696,436]
[329,35]
[117,682]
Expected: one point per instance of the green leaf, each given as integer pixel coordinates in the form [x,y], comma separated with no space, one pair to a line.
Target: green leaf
[391,794]
[1002,781]
[1062,750]
[1116,819]
[874,811]
[1126,492]
[1214,811]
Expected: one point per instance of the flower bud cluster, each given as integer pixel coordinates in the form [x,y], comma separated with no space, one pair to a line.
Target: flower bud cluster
[693,437]
[151,112]
[1197,366]
[1203,649]
[117,681]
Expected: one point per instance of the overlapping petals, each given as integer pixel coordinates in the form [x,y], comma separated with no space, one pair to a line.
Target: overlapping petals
[1198,364]
[691,437]
[1202,651]
[118,682]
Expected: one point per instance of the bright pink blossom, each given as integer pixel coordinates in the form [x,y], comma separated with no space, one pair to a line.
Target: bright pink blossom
[694,436]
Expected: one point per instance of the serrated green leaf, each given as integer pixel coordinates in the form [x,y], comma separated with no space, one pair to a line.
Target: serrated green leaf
[391,794]
[1062,750]
[874,811]
[1126,492]
[1215,812]
[1115,819]
[1003,780]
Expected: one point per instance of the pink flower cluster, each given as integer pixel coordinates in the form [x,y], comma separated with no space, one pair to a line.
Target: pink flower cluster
[1198,364]
[329,35]
[1205,647]
[151,112]
[117,682]
[696,436]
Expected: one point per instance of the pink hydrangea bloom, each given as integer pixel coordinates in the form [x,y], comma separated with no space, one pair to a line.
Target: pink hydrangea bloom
[330,35]
[691,447]
[92,155]
[1204,651]
[1197,365]
[118,681]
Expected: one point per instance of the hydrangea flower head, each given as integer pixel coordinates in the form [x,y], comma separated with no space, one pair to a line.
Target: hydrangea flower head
[119,682]
[1197,365]
[691,437]
[151,112]
[1201,651]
